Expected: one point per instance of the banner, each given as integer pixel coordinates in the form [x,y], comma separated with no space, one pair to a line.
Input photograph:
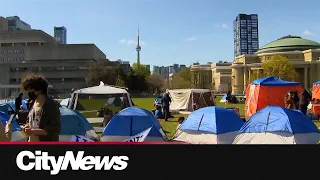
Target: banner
[76,138]
[139,137]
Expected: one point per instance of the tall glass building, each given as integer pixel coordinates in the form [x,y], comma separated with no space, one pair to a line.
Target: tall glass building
[60,34]
[246,34]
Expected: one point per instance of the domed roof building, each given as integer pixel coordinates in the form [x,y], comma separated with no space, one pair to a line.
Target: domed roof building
[303,53]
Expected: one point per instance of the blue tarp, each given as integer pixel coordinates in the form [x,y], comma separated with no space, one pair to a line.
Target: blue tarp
[213,119]
[131,121]
[73,122]
[280,119]
[273,81]
[5,117]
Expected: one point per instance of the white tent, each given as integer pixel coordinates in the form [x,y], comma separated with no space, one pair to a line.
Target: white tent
[102,89]
[183,99]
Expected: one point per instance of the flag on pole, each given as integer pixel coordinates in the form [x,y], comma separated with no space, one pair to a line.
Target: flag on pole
[76,138]
[139,137]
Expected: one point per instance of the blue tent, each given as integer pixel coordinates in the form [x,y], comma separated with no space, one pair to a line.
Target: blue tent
[132,121]
[213,119]
[73,123]
[17,134]
[273,81]
[316,83]
[24,104]
[5,117]
[275,118]
[5,107]
[209,125]
[288,126]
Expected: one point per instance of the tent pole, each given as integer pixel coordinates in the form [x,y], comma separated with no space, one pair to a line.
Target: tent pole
[268,118]
[200,122]
[76,102]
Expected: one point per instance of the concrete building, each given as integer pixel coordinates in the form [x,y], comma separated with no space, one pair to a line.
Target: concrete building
[34,51]
[215,76]
[303,53]
[246,34]
[60,34]
[125,65]
[3,24]
[16,24]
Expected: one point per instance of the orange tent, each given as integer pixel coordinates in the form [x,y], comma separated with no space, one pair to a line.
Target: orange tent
[316,90]
[268,91]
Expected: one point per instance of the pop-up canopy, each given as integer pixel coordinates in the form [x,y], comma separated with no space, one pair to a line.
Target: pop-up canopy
[98,91]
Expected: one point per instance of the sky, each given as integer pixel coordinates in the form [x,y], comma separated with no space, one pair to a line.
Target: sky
[171,31]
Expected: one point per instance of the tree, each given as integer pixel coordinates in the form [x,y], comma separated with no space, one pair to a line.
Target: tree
[182,80]
[156,82]
[140,70]
[120,82]
[255,75]
[102,71]
[281,67]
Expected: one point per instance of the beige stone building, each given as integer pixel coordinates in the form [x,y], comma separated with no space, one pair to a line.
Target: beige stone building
[215,76]
[303,53]
[34,51]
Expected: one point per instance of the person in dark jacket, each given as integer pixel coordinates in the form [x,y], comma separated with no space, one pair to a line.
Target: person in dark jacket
[44,119]
[304,101]
[295,99]
[18,102]
[166,100]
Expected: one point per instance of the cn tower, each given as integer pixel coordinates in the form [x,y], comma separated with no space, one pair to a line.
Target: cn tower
[138,48]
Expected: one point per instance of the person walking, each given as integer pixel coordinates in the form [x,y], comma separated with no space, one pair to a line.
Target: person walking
[166,100]
[44,118]
[304,101]
[18,102]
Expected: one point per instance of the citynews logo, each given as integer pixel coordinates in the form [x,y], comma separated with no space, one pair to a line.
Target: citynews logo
[42,161]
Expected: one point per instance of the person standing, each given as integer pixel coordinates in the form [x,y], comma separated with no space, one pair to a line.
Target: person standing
[44,119]
[18,102]
[288,101]
[304,101]
[166,100]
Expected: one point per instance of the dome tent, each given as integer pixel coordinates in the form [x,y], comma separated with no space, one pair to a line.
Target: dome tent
[278,125]
[17,133]
[268,91]
[209,125]
[132,121]
[74,123]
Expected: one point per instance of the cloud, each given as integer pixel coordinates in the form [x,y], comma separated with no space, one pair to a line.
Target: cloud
[193,38]
[307,32]
[129,42]
[221,26]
